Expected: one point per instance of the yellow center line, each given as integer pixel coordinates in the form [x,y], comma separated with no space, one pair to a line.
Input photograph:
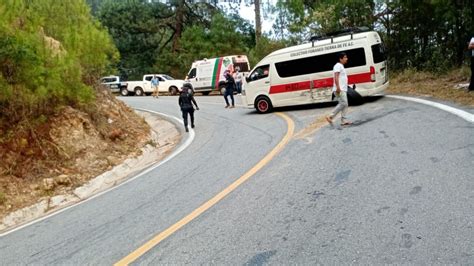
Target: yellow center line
[204,207]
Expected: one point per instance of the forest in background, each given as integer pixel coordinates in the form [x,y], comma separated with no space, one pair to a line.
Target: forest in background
[151,36]
[52,53]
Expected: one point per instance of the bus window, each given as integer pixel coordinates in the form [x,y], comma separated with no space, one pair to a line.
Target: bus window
[319,63]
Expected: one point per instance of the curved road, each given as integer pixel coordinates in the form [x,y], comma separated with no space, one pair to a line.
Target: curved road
[396,187]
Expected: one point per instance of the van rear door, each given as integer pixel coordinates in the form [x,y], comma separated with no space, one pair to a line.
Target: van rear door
[380,71]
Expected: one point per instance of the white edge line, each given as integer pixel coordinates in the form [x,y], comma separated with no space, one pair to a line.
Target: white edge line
[181,148]
[463,114]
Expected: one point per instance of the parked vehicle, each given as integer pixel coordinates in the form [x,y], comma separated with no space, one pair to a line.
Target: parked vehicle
[303,74]
[114,83]
[143,87]
[208,74]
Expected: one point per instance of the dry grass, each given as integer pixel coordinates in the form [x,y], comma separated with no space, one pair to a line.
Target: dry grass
[442,87]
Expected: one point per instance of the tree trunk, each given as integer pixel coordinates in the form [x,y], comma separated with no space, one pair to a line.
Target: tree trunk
[258,21]
[178,25]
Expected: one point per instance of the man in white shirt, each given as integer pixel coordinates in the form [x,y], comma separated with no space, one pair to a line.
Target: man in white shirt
[340,90]
[471,47]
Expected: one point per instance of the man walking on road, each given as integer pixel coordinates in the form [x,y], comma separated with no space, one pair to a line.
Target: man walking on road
[186,101]
[340,90]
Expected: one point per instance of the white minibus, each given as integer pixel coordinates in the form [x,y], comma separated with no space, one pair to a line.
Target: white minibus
[303,74]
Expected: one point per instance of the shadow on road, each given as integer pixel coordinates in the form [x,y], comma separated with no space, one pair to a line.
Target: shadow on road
[318,105]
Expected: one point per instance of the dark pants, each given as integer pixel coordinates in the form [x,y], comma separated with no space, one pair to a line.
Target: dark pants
[238,86]
[471,85]
[185,112]
[227,93]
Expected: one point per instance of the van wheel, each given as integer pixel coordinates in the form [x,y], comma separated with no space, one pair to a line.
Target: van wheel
[123,91]
[173,90]
[206,93]
[263,105]
[138,91]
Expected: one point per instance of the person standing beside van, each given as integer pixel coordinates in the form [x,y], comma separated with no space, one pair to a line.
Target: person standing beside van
[155,83]
[238,80]
[340,90]
[229,89]
[471,53]
[185,101]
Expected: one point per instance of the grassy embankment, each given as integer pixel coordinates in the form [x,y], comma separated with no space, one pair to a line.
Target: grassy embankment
[438,86]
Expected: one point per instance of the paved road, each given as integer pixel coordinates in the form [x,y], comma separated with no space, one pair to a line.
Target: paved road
[397,187]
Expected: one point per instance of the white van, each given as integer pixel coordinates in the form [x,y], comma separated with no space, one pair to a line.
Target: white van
[303,74]
[208,74]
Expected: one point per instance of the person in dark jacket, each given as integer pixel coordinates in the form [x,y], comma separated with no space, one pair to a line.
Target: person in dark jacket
[185,102]
[229,89]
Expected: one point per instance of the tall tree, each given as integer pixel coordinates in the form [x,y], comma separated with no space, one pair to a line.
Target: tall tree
[258,21]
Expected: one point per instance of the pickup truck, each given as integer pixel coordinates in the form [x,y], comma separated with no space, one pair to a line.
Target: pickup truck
[113,83]
[143,87]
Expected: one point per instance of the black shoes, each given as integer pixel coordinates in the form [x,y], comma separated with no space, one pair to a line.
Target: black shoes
[187,130]
[192,126]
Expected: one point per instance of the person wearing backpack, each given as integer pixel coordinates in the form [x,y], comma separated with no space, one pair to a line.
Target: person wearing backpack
[186,101]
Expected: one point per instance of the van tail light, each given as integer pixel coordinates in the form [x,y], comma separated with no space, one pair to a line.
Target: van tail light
[372,74]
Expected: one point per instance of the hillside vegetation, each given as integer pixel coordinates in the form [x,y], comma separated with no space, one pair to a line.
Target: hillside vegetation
[58,128]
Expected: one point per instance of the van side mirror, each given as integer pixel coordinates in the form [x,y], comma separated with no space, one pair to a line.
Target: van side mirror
[247,79]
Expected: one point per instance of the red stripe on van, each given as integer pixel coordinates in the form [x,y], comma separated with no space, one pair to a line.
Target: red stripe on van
[318,83]
[359,78]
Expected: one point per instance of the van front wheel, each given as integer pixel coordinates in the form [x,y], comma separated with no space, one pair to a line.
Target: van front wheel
[263,105]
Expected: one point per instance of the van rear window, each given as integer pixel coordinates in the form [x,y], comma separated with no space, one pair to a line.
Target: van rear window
[378,52]
[319,63]
[243,66]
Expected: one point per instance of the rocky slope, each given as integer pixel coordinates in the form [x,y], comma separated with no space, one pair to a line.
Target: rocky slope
[67,150]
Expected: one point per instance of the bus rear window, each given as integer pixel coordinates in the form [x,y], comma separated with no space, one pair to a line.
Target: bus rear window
[378,52]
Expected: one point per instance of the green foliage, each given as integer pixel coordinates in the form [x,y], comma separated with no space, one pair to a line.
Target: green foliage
[140,31]
[51,52]
[222,38]
[263,48]
[426,35]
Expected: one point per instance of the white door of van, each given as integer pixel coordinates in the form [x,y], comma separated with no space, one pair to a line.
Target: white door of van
[258,82]
[191,78]
[204,76]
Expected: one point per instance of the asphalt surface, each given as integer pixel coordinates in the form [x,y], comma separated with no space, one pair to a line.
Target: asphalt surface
[396,187]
